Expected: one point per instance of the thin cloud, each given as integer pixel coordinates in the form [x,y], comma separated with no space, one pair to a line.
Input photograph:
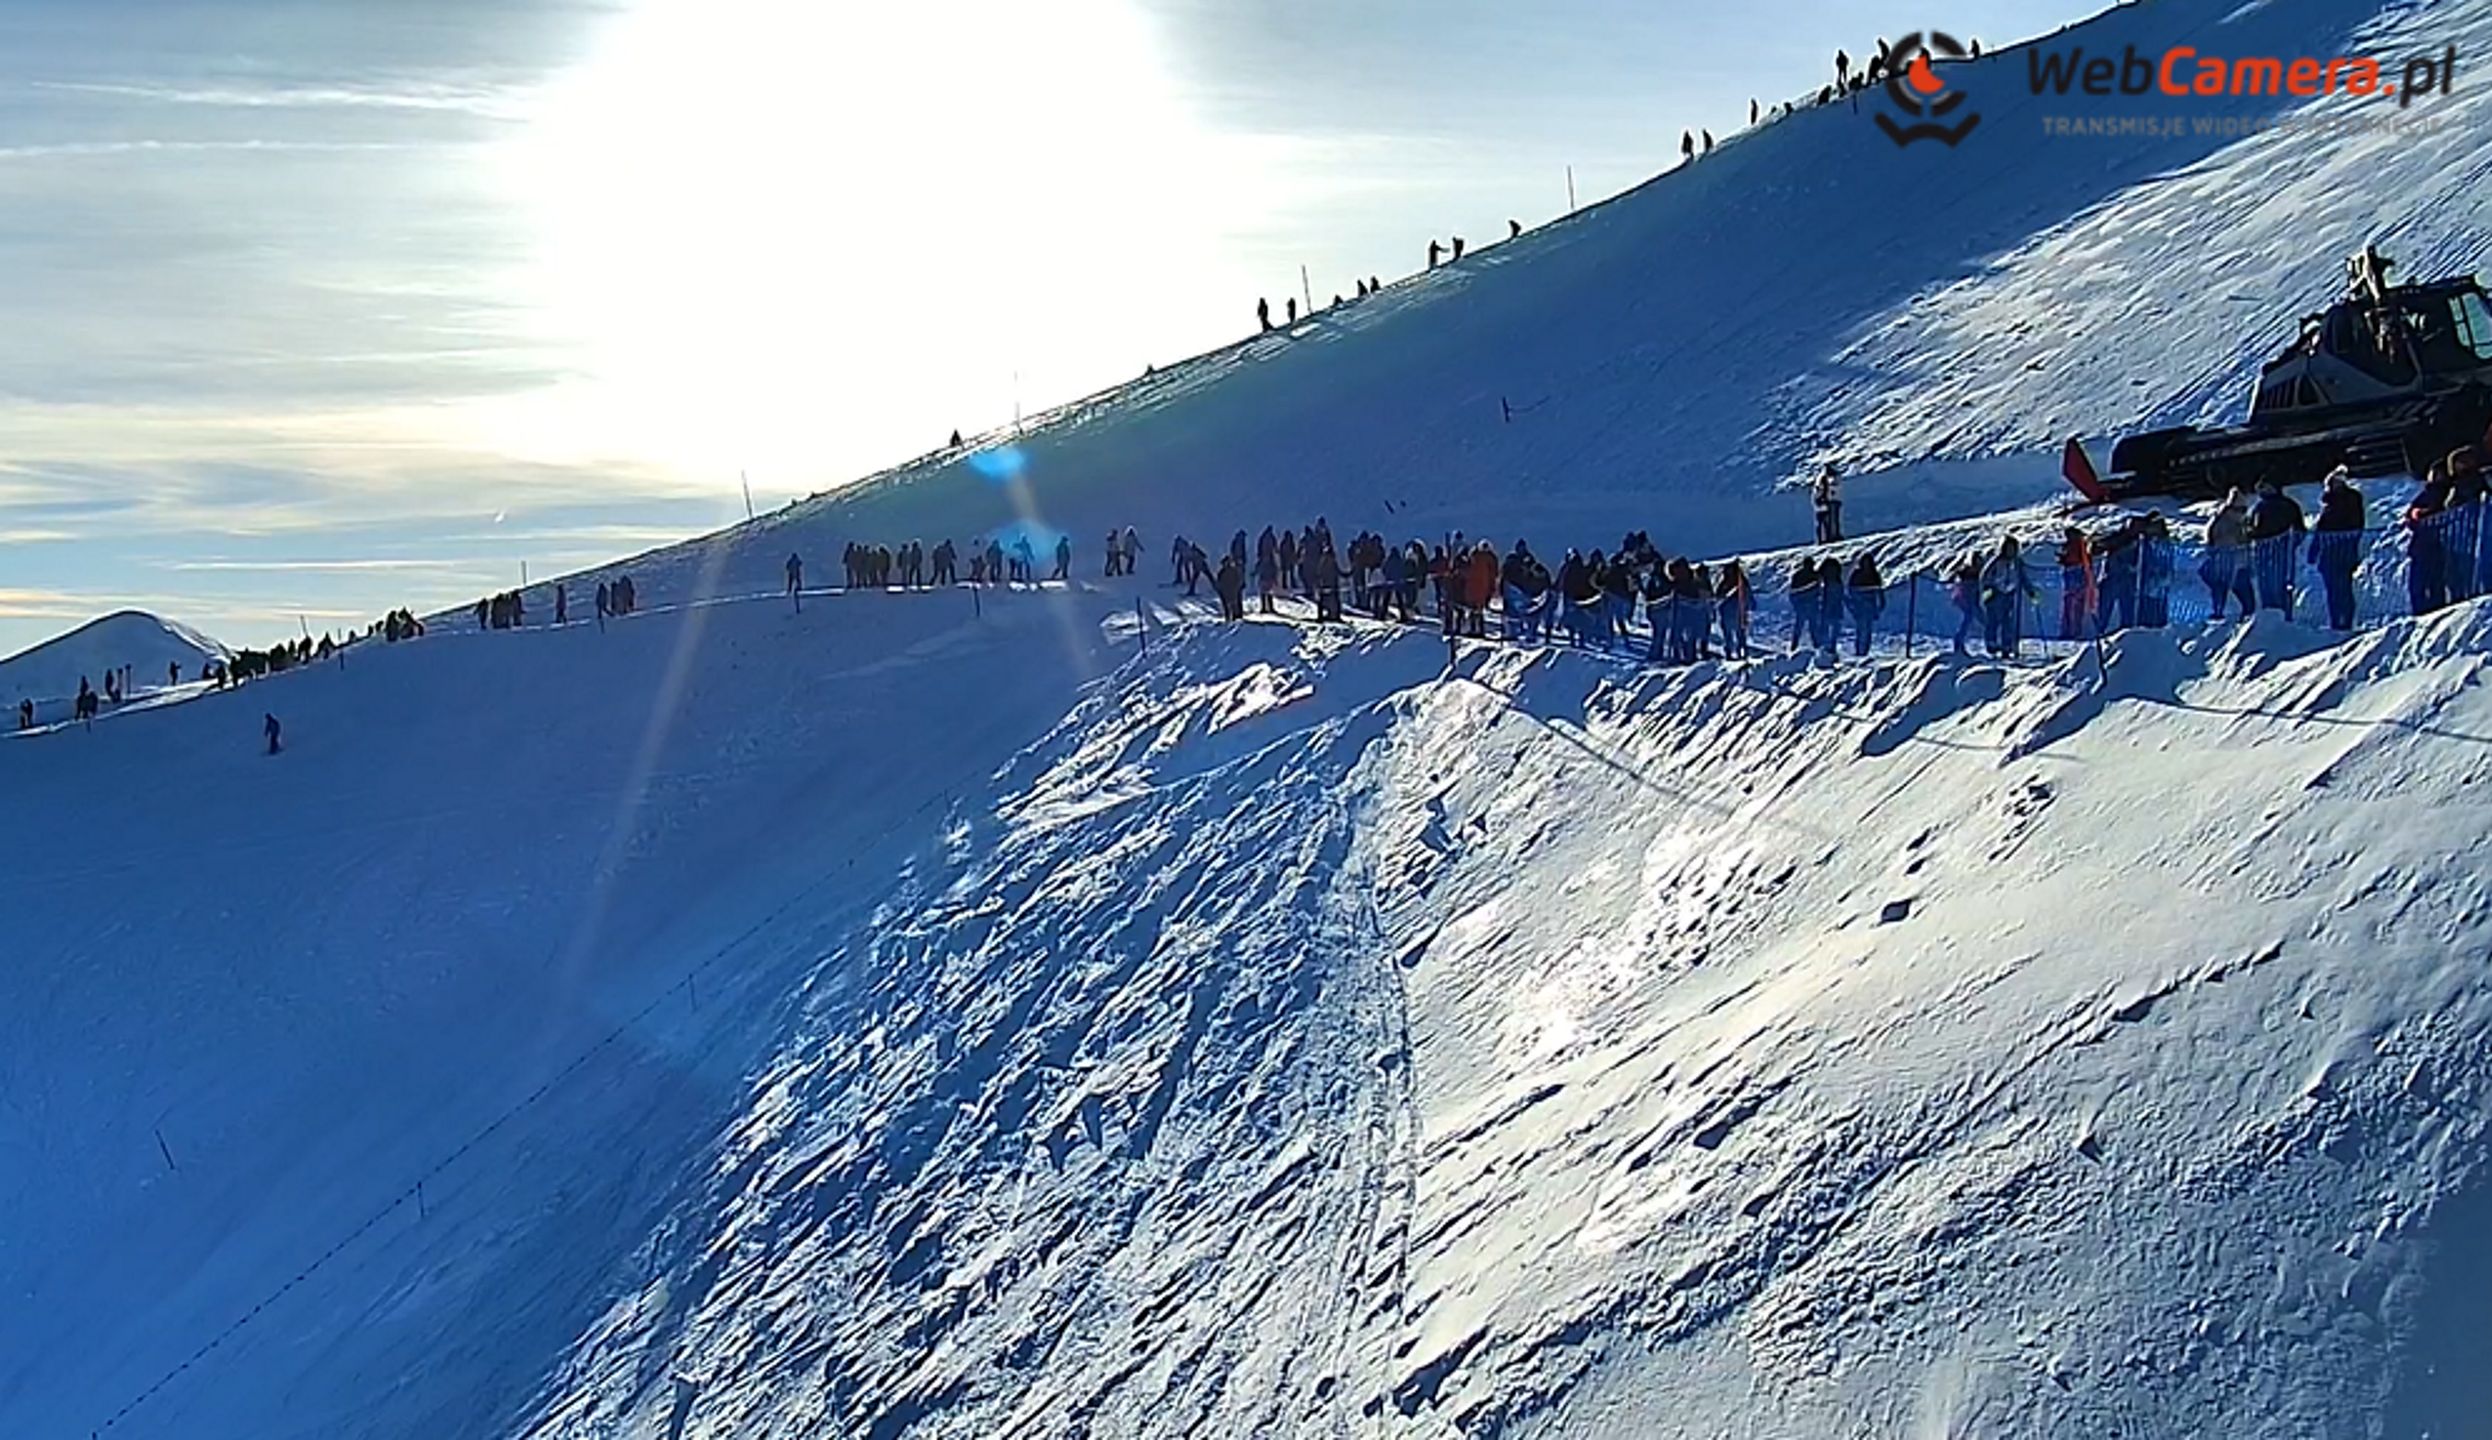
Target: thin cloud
[285,566]
[77,149]
[492,104]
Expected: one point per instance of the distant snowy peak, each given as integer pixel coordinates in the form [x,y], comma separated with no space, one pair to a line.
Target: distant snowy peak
[148,644]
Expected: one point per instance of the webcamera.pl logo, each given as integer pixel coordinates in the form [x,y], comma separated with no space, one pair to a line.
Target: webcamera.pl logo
[1931,108]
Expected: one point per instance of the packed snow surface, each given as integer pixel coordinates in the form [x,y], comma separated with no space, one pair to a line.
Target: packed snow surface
[1054,1013]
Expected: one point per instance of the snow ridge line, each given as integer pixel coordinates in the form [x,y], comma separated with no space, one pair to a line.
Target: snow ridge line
[526,1103]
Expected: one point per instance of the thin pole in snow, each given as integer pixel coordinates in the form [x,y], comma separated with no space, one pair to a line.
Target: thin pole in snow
[1912,611]
[1570,189]
[748,493]
[977,607]
[1142,625]
[167,1150]
[422,1211]
[523,574]
[1306,287]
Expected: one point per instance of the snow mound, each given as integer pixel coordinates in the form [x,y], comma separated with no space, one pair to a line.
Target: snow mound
[146,643]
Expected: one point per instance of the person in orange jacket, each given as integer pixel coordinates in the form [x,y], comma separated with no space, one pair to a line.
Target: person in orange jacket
[1479,584]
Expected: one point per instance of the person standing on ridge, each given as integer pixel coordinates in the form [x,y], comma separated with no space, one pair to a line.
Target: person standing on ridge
[1435,251]
[2076,584]
[1231,583]
[270,728]
[1263,312]
[1514,229]
[1827,498]
[2336,547]
[1064,557]
[1293,309]
[2006,586]
[2276,530]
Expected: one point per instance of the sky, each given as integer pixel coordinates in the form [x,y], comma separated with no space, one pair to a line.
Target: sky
[322,307]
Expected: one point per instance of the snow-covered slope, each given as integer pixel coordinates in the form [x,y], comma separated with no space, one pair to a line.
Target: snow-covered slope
[1290,1038]
[942,1015]
[1936,320]
[146,643]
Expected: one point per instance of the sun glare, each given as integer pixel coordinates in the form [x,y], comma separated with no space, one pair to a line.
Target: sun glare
[789,236]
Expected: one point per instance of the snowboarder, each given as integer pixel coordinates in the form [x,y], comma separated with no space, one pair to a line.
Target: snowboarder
[270,728]
[2336,547]
[1687,145]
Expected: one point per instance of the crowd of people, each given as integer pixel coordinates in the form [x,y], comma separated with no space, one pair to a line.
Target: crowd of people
[2252,555]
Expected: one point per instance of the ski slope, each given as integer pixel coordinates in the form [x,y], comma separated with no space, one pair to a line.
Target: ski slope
[1051,1013]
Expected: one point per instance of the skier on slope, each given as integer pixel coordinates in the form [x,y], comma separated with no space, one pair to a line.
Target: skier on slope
[1064,557]
[796,580]
[274,731]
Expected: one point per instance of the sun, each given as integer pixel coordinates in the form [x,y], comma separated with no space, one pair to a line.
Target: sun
[766,227]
